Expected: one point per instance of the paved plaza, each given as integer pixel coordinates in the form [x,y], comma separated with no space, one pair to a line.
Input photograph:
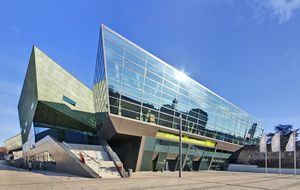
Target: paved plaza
[16,179]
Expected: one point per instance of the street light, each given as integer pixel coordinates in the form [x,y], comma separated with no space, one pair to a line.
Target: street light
[181,77]
[180,144]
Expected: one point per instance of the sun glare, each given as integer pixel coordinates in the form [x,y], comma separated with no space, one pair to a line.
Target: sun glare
[181,76]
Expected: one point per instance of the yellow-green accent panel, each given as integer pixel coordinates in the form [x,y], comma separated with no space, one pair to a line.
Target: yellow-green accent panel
[185,139]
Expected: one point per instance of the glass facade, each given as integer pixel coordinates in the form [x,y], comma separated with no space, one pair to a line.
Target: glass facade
[64,134]
[163,154]
[100,87]
[144,88]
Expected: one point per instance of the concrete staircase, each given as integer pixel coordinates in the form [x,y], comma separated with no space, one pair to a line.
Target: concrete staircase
[96,158]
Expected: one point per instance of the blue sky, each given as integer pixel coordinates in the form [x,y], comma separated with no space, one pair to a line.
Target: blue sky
[246,51]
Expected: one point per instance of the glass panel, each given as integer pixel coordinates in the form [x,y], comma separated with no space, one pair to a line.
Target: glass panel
[150,115]
[133,58]
[151,98]
[130,106]
[153,84]
[113,66]
[114,110]
[165,120]
[114,76]
[134,67]
[114,85]
[156,63]
[137,52]
[114,48]
[114,101]
[69,100]
[153,77]
[132,93]
[113,57]
[113,38]
[152,91]
[170,85]
[169,92]
[170,75]
[168,100]
[168,110]
[183,99]
[128,113]
[150,105]
[133,79]
[155,70]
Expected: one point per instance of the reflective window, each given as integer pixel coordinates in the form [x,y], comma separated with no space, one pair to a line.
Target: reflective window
[148,97]
[113,57]
[155,69]
[132,92]
[135,51]
[69,100]
[135,59]
[170,85]
[113,47]
[153,84]
[152,91]
[169,92]
[134,67]
[114,76]
[154,77]
[113,38]
[144,88]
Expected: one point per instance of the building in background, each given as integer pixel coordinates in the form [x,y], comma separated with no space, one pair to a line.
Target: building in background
[13,147]
[3,152]
[130,116]
[53,102]
[56,113]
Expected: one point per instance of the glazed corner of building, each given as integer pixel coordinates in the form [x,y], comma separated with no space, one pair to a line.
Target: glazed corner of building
[54,100]
[109,39]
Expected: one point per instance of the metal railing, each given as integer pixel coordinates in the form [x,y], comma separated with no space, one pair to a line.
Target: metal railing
[71,148]
[113,156]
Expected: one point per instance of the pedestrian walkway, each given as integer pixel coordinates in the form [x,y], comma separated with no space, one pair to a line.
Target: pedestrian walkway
[18,179]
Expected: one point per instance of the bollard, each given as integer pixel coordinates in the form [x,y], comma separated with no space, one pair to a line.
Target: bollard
[129,172]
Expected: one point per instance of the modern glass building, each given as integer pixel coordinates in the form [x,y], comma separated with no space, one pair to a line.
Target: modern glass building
[142,99]
[129,119]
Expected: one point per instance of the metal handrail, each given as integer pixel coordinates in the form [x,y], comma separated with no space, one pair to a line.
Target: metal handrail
[50,139]
[99,164]
[86,155]
[110,153]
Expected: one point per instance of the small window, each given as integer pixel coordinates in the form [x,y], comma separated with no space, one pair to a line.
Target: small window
[32,106]
[69,100]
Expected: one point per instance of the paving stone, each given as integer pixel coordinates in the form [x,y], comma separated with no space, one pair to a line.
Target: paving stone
[16,179]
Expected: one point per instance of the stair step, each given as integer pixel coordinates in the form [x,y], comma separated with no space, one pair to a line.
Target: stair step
[97,159]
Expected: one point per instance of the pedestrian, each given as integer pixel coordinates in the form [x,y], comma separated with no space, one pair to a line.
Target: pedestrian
[30,165]
[81,158]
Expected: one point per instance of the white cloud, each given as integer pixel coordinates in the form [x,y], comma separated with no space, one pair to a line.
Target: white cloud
[283,10]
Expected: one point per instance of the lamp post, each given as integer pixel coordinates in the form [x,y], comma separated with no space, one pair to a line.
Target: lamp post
[180,144]
[181,77]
